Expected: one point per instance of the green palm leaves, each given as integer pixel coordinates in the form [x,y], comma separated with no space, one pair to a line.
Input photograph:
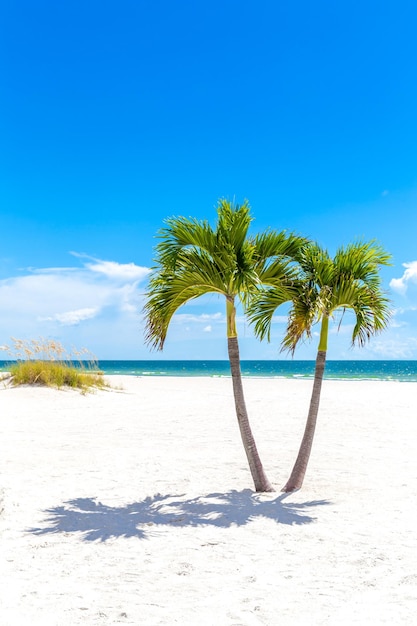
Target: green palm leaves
[193,259]
[350,280]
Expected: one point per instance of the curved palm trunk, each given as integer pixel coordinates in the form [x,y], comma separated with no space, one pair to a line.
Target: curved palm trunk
[296,479]
[258,474]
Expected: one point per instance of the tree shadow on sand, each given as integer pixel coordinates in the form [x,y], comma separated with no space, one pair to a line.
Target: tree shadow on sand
[99,522]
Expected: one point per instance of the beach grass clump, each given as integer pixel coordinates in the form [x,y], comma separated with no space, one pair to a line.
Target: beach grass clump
[47,363]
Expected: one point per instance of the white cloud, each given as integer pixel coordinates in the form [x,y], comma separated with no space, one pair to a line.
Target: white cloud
[410,276]
[113,270]
[52,301]
[395,348]
[52,270]
[395,324]
[207,329]
[401,310]
[71,318]
[119,271]
[279,319]
[187,318]
[341,329]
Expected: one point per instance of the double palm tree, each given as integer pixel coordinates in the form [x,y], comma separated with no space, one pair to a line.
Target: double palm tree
[193,259]
[350,280]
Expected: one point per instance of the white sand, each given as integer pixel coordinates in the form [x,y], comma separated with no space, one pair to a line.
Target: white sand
[136,507]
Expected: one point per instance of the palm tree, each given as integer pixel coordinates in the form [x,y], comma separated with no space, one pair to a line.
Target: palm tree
[350,280]
[192,260]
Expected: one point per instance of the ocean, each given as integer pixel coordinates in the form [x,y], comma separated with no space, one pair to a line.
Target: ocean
[404,371]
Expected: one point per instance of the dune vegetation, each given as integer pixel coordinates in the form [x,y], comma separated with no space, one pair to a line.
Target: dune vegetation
[47,363]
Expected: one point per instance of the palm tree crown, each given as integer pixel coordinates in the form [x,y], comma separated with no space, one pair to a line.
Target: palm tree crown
[193,259]
[350,280]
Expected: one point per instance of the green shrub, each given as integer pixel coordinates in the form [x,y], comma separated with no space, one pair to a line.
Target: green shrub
[46,362]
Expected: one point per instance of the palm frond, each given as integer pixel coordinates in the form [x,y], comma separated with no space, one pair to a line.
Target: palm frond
[362,260]
[168,291]
[233,222]
[271,244]
[179,234]
[373,313]
[262,306]
[306,310]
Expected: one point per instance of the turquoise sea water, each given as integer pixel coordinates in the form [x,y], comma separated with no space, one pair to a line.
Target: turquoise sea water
[405,371]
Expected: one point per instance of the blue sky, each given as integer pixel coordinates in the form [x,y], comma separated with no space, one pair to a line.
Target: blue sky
[114,116]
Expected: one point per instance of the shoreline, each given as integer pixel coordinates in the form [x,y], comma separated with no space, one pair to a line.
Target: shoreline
[295,378]
[393,370]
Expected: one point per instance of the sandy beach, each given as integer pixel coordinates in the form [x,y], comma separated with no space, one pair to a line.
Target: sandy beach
[136,506]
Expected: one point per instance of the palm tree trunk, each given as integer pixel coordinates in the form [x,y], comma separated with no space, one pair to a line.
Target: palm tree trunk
[296,479]
[258,474]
